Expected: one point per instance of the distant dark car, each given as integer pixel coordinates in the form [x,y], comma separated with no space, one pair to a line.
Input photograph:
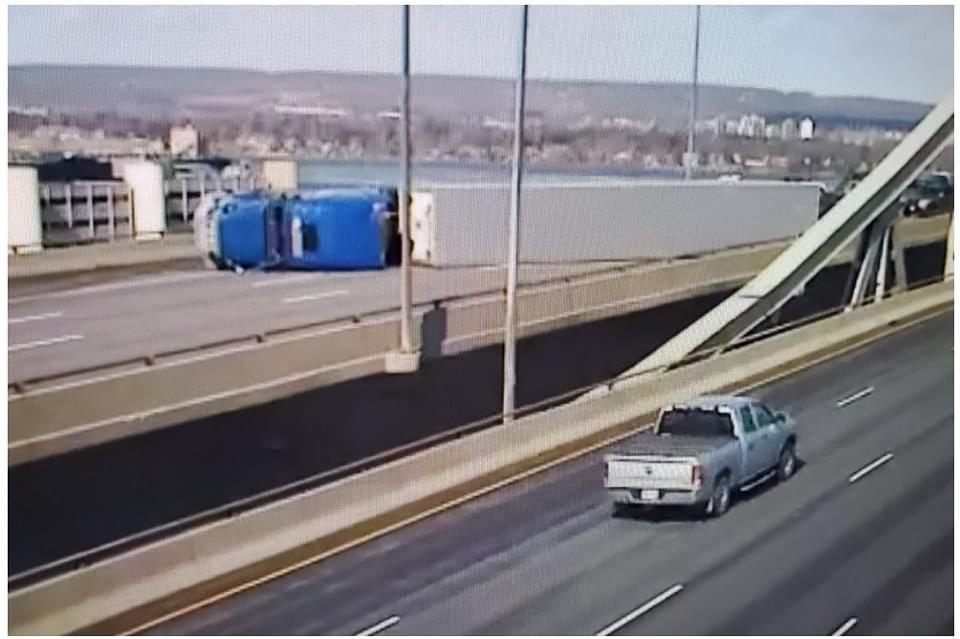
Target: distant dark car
[929,195]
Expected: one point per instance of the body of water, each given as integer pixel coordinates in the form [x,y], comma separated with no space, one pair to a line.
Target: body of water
[313,173]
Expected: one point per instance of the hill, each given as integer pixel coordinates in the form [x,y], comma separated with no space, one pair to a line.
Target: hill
[167,93]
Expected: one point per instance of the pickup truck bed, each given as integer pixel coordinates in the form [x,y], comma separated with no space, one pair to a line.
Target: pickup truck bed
[673,445]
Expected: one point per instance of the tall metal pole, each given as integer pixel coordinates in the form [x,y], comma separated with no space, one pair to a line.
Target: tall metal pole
[688,168]
[513,249]
[406,275]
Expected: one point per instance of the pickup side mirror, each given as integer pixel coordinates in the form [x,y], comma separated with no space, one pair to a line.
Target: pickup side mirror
[780,417]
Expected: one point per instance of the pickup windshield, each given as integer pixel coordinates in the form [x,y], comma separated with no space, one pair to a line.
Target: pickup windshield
[696,423]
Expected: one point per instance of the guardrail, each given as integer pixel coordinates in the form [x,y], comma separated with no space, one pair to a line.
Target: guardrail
[228,554]
[183,193]
[231,509]
[85,211]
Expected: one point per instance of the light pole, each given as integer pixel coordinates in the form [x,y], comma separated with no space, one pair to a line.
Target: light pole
[406,360]
[513,248]
[688,163]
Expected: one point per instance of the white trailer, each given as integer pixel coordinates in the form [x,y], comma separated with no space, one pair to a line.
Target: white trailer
[462,225]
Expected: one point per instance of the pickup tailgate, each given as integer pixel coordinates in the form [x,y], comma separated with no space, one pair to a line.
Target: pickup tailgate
[650,472]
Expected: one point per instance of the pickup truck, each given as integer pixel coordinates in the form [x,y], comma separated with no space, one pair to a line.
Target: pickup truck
[700,452]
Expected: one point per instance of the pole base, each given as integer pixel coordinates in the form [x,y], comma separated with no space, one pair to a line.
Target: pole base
[26,249]
[399,362]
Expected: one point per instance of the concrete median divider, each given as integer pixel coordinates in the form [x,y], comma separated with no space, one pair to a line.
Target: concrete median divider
[103,255]
[65,416]
[51,417]
[214,560]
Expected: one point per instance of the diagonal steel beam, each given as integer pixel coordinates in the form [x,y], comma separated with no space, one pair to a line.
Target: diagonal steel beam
[801,261]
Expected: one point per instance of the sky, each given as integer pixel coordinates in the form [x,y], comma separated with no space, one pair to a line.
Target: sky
[900,52]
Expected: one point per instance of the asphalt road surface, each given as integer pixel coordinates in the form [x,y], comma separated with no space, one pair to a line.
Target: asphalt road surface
[54,330]
[818,554]
[73,502]
[60,325]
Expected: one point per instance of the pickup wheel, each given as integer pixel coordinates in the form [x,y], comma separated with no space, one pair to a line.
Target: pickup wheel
[787,465]
[720,500]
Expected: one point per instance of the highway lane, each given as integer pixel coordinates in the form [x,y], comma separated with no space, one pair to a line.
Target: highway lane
[181,308]
[237,454]
[545,556]
[89,324]
[241,453]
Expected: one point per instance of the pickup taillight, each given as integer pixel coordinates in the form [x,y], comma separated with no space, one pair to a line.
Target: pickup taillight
[696,476]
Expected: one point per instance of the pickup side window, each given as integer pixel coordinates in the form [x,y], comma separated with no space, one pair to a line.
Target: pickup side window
[746,417]
[764,416]
[695,422]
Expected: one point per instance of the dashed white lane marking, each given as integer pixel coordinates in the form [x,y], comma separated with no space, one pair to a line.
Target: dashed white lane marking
[284,280]
[872,466]
[642,610]
[311,298]
[845,628]
[33,318]
[860,394]
[43,342]
[379,627]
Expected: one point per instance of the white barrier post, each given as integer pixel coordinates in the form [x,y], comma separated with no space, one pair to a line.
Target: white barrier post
[25,229]
[149,206]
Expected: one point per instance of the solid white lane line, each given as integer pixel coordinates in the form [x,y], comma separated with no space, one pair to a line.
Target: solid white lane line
[871,467]
[845,628]
[316,296]
[43,342]
[645,608]
[33,318]
[858,395]
[284,280]
[379,627]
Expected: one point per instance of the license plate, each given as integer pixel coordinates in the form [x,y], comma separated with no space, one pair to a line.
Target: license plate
[649,495]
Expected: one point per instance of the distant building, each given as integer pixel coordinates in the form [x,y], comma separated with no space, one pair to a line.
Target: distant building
[711,127]
[789,130]
[184,142]
[751,126]
[730,127]
[771,131]
[806,129]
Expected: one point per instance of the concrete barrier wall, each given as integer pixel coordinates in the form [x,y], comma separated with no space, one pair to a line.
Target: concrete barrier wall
[120,253]
[662,219]
[97,593]
[71,415]
[67,416]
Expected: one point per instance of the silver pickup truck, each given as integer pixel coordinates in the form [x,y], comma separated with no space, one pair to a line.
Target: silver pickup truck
[699,452]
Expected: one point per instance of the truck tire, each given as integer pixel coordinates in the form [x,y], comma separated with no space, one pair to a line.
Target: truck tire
[720,500]
[787,464]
